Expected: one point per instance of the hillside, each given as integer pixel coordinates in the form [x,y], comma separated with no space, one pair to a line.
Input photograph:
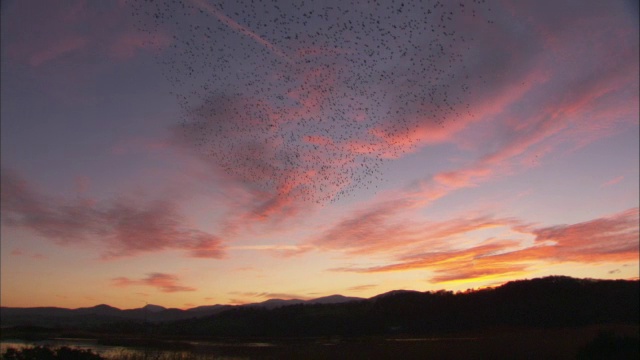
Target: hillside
[549,302]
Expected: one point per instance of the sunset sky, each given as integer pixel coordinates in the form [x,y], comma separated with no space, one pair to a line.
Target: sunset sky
[228,153]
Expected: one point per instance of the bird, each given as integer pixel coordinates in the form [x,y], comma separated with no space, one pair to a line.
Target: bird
[308,100]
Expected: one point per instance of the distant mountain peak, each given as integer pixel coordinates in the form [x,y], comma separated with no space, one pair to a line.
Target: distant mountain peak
[154,308]
[395,292]
[334,299]
[104,307]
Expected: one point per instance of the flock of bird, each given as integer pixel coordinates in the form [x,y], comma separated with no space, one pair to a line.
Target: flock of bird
[308,98]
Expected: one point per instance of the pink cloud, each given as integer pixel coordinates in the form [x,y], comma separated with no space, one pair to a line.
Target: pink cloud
[284,251]
[20,252]
[56,50]
[46,34]
[612,238]
[312,128]
[125,46]
[280,177]
[612,181]
[318,140]
[368,232]
[239,28]
[529,103]
[443,260]
[269,295]
[320,51]
[384,230]
[513,136]
[462,178]
[49,40]
[81,184]
[238,301]
[167,283]
[124,227]
[17,252]
[362,287]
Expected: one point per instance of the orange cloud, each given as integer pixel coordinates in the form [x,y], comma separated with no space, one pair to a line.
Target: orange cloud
[270,295]
[478,271]
[164,282]
[444,260]
[611,238]
[362,287]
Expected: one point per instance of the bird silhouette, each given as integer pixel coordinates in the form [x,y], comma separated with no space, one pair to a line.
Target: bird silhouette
[309,99]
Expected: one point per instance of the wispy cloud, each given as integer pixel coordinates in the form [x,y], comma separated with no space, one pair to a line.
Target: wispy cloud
[612,181]
[57,49]
[362,287]
[268,295]
[527,113]
[167,283]
[126,45]
[20,252]
[302,142]
[59,31]
[122,227]
[203,4]
[611,238]
[278,250]
[384,230]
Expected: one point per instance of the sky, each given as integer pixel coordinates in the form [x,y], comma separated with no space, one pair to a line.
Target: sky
[199,152]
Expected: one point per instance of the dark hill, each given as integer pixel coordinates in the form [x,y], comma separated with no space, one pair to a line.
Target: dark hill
[549,302]
[541,303]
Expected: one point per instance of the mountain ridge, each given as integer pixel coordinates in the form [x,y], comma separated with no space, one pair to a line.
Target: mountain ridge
[336,298]
[47,315]
[516,295]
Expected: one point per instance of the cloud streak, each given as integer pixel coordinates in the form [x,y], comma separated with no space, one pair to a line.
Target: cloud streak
[59,31]
[612,181]
[269,295]
[384,229]
[612,238]
[241,29]
[167,283]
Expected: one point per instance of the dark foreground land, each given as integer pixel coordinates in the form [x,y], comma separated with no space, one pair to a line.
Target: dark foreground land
[593,342]
[549,318]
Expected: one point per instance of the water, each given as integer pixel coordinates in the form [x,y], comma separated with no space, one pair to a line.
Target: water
[202,350]
[216,350]
[111,352]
